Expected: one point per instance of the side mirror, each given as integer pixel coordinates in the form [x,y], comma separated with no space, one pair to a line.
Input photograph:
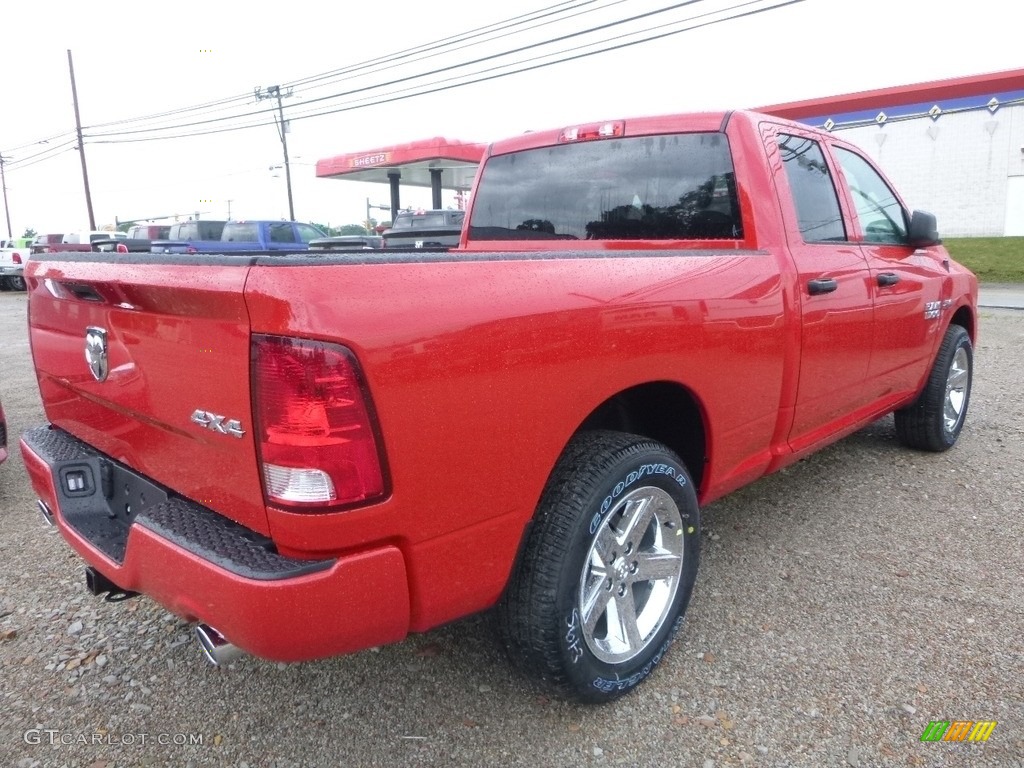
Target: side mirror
[923,230]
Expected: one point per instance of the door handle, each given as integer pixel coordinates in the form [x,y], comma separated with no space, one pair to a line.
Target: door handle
[888,278]
[823,285]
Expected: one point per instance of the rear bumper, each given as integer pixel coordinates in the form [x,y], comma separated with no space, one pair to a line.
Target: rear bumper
[204,567]
[12,270]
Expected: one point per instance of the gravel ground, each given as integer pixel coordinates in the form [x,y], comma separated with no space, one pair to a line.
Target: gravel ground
[842,604]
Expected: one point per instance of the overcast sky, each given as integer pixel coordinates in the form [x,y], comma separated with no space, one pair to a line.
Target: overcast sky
[135,60]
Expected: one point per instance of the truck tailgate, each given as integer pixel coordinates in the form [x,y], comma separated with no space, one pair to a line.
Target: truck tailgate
[146,358]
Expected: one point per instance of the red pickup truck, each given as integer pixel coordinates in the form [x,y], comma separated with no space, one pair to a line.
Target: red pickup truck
[74,241]
[312,454]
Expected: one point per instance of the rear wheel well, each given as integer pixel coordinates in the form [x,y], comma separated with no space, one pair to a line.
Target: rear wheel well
[662,411]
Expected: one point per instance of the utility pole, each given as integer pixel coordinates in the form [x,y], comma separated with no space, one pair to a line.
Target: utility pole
[3,183]
[272,92]
[229,210]
[81,144]
[369,228]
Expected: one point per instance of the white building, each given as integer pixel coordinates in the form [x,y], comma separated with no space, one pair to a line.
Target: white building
[952,147]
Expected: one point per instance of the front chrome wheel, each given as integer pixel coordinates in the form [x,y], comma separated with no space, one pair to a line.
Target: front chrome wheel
[934,420]
[631,575]
[957,382]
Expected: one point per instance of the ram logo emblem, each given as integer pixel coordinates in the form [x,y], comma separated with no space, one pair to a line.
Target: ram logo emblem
[96,352]
[217,423]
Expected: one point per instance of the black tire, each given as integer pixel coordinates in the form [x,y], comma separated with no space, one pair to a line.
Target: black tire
[934,421]
[589,652]
[16,283]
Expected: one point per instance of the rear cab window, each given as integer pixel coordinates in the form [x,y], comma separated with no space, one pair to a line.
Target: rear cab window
[661,187]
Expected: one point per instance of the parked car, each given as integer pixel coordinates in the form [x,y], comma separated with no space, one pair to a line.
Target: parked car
[258,235]
[267,236]
[425,229]
[42,243]
[87,238]
[76,241]
[13,255]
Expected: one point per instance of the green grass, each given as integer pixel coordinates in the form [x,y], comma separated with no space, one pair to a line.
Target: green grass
[992,259]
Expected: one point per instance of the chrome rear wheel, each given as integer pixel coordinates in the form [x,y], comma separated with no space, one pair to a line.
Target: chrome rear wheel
[631,575]
[607,568]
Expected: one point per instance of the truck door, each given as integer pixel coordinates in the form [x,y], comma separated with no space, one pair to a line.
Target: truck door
[908,285]
[832,290]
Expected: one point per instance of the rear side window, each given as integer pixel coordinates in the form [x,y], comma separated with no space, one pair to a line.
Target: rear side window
[240,232]
[814,194]
[678,186]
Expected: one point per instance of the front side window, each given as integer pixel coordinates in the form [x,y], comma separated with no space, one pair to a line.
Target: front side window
[678,186]
[882,218]
[814,195]
[307,232]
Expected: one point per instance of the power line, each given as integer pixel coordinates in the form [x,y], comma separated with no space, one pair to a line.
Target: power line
[334,78]
[25,162]
[430,90]
[47,140]
[300,115]
[458,38]
[440,70]
[222,104]
[563,60]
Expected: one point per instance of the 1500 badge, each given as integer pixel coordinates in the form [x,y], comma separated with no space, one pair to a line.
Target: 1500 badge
[933,309]
[217,423]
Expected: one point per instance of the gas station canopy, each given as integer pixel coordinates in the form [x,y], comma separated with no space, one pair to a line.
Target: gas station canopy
[437,163]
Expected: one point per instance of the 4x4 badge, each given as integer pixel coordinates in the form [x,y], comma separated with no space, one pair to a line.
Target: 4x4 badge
[96,352]
[217,423]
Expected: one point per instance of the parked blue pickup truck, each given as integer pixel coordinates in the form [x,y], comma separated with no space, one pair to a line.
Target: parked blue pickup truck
[202,237]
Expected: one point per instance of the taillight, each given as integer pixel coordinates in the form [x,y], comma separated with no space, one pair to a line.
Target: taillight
[191,249]
[16,258]
[121,248]
[315,427]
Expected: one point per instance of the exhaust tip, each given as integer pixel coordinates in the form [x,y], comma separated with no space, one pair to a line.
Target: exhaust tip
[216,649]
[46,512]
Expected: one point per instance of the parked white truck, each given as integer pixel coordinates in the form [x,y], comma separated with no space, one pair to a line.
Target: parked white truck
[13,255]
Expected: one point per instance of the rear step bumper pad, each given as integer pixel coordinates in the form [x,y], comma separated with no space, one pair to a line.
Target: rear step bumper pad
[203,566]
[99,515]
